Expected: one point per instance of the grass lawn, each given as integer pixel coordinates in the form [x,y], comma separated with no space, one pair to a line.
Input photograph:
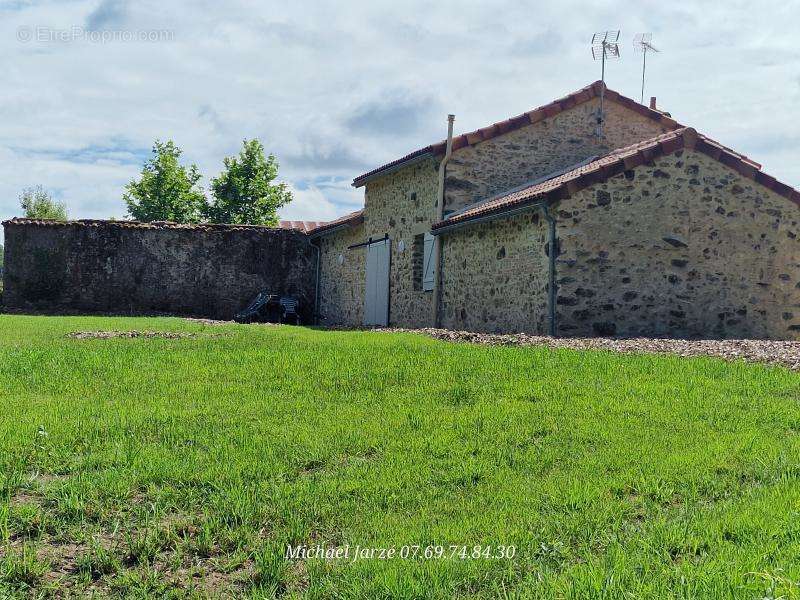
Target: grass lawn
[153,467]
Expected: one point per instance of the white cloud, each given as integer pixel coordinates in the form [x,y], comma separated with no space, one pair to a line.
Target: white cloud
[309,205]
[309,78]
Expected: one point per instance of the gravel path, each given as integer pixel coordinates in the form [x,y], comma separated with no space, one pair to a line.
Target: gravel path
[786,354]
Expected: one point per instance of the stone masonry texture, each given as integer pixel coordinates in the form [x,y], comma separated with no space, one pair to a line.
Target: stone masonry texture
[684,247]
[341,286]
[477,173]
[403,205]
[495,276]
[116,267]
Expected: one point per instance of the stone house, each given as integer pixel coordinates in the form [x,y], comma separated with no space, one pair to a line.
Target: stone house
[565,220]
[551,224]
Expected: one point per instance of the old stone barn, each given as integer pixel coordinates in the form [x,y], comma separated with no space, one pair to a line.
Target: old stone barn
[543,223]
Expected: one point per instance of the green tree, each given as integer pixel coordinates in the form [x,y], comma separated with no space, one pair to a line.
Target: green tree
[244,192]
[38,204]
[167,190]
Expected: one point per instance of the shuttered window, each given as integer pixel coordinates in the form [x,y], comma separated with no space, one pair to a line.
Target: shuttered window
[428,269]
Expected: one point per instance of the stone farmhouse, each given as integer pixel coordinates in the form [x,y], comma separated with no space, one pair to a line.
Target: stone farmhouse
[543,223]
[566,220]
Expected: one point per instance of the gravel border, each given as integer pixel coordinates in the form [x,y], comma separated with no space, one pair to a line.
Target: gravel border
[773,352]
[108,335]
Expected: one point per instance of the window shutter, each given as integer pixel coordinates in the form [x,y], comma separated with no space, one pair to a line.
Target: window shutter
[427,262]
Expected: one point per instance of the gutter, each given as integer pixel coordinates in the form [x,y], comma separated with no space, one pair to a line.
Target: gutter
[484,218]
[437,241]
[316,235]
[357,183]
[552,243]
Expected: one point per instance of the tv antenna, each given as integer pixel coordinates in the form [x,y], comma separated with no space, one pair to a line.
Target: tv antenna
[641,42]
[604,46]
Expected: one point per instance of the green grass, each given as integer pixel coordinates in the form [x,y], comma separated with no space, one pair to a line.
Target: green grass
[184,467]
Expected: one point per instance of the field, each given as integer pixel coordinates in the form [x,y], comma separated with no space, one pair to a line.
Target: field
[184,466]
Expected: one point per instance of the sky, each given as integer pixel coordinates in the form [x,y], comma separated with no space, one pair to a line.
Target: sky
[335,89]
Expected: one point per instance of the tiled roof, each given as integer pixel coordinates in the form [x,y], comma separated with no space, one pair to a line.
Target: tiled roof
[353,218]
[303,226]
[525,119]
[614,163]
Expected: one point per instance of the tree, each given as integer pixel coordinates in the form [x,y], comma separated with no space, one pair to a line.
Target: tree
[167,190]
[244,192]
[38,204]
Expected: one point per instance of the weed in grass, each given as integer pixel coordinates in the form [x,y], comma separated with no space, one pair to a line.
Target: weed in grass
[144,582]
[272,569]
[97,562]
[142,547]
[28,521]
[20,568]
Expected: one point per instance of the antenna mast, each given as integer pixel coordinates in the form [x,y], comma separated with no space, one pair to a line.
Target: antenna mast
[641,42]
[604,45]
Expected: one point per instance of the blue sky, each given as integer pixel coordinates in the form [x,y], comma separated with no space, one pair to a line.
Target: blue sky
[337,88]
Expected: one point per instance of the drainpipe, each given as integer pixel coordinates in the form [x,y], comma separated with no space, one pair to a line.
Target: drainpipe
[316,285]
[551,285]
[437,240]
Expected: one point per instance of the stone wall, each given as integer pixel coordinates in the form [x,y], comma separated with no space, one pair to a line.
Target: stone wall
[476,173]
[495,276]
[685,247]
[402,204]
[124,267]
[341,285]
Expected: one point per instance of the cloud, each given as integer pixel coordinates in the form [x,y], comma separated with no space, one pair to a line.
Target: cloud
[395,112]
[332,157]
[310,204]
[335,90]
[109,14]
[545,42]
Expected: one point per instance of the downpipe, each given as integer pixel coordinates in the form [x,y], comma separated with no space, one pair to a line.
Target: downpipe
[437,241]
[551,284]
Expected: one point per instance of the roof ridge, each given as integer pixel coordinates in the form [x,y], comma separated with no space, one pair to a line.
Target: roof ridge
[530,117]
[133,224]
[618,161]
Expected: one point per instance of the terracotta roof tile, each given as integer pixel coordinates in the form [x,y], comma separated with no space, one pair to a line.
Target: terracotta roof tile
[614,163]
[523,120]
[304,226]
[353,218]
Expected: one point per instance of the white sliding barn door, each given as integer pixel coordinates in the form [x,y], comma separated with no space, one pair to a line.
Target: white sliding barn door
[376,302]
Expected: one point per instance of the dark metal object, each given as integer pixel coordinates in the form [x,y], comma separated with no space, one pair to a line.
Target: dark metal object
[642,43]
[289,310]
[368,242]
[270,308]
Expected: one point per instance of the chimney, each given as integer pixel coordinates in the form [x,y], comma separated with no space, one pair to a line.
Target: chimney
[653,102]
